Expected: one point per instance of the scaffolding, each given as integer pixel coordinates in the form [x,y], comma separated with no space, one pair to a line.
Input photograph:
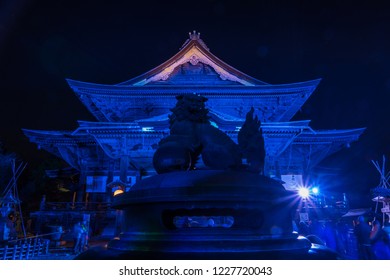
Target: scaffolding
[381,193]
[9,200]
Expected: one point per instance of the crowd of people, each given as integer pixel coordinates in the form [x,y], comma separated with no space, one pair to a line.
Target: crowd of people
[361,239]
[373,241]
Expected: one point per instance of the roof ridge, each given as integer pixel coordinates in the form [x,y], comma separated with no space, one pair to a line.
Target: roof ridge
[194,36]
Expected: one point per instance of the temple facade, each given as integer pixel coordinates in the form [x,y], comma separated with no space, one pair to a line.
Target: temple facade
[132,117]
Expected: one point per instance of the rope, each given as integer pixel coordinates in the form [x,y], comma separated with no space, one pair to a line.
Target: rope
[18,173]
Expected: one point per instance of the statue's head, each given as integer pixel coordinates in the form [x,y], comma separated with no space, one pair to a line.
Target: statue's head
[190,107]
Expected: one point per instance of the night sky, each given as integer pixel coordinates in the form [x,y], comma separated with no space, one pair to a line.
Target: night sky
[346,43]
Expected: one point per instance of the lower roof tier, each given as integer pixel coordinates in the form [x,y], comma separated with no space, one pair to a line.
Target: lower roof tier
[291,147]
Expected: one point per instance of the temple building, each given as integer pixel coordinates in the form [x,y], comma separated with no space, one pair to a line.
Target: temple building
[132,117]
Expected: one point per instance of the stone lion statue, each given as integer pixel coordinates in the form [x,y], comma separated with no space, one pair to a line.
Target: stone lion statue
[192,136]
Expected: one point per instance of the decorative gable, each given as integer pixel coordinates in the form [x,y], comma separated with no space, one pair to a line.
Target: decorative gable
[194,56]
[194,74]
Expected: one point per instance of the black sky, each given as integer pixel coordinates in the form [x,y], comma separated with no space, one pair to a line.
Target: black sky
[346,43]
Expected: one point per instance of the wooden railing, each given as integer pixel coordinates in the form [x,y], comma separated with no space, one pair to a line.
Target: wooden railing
[24,249]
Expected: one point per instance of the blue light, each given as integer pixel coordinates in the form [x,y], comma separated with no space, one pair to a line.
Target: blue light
[315,190]
[303,192]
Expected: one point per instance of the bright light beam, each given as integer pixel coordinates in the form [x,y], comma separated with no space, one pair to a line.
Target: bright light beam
[303,192]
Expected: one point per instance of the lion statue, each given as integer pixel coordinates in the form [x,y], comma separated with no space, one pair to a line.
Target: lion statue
[192,136]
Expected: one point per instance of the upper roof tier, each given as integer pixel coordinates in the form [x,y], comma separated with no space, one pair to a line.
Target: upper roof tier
[194,69]
[194,64]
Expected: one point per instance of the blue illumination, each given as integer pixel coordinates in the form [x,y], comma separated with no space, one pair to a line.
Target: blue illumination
[214,124]
[147,128]
[303,192]
[315,190]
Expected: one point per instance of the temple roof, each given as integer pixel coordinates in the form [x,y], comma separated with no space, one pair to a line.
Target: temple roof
[221,120]
[195,60]
[294,143]
[110,103]
[310,148]
[194,69]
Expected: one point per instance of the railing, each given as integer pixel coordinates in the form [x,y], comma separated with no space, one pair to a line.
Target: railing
[90,206]
[24,249]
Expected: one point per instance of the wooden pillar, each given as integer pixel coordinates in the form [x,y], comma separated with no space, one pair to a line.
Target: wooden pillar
[82,184]
[110,178]
[277,170]
[82,161]
[124,165]
[268,164]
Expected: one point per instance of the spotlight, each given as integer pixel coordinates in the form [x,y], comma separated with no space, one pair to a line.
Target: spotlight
[315,190]
[303,192]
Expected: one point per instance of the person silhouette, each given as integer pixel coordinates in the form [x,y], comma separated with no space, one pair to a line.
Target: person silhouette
[77,238]
[362,232]
[380,242]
